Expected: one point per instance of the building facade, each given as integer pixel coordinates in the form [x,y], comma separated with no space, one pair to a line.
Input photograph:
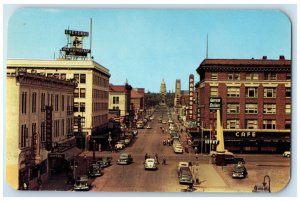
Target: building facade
[138,102]
[39,126]
[177,95]
[163,92]
[90,95]
[119,98]
[255,102]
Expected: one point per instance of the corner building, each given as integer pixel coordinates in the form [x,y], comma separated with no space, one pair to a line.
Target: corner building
[256,103]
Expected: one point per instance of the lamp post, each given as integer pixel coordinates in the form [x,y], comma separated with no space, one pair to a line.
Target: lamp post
[85,160]
[269,179]
[74,168]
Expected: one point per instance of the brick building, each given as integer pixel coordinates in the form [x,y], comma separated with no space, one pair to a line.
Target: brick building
[256,102]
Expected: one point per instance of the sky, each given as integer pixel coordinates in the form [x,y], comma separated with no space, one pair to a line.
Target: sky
[145,46]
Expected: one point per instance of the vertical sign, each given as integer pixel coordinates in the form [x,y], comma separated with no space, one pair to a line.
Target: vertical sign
[49,127]
[191,96]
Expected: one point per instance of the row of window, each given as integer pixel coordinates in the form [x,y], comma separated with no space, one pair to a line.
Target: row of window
[253,124]
[100,107]
[234,108]
[99,120]
[100,81]
[58,130]
[100,94]
[251,92]
[116,100]
[52,100]
[249,76]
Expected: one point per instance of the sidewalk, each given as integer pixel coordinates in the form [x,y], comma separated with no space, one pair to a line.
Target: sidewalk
[56,183]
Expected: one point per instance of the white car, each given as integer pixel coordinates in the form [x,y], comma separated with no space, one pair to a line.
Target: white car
[214,153]
[148,127]
[120,145]
[286,154]
[150,164]
[178,149]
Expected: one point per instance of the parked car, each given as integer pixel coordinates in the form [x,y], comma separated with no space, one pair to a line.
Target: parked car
[81,184]
[150,164]
[120,145]
[164,122]
[227,153]
[104,161]
[127,141]
[239,171]
[125,159]
[95,170]
[135,132]
[148,127]
[286,154]
[185,176]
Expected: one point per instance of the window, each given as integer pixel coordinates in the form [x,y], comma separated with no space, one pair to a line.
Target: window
[49,74]
[115,100]
[213,91]
[82,107]
[288,109]
[270,76]
[251,124]
[251,92]
[233,124]
[62,103]
[76,107]
[233,92]
[82,93]
[24,136]
[214,76]
[82,78]
[24,102]
[76,93]
[56,103]
[43,101]
[288,76]
[269,124]
[233,108]
[251,76]
[270,92]
[62,127]
[287,124]
[56,75]
[233,76]
[287,92]
[251,109]
[269,108]
[33,102]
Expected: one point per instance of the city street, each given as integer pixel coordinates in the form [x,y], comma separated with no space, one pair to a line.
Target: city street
[133,177]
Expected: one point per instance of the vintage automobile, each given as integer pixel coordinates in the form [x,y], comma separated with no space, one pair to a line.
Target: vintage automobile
[124,159]
[120,145]
[81,184]
[127,141]
[177,148]
[239,171]
[95,170]
[286,154]
[185,176]
[104,161]
[150,164]
[148,126]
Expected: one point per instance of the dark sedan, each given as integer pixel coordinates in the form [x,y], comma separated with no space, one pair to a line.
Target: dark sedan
[239,171]
[104,161]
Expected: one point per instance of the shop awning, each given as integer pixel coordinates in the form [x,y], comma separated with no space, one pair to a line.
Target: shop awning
[70,153]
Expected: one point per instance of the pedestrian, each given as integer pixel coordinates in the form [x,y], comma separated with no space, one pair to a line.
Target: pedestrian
[146,156]
[164,162]
[39,181]
[156,158]
[25,186]
[181,130]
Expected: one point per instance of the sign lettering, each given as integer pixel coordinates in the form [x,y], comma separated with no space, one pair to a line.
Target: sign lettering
[49,127]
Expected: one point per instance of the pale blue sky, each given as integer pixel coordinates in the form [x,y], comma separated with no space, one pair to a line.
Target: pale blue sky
[148,45]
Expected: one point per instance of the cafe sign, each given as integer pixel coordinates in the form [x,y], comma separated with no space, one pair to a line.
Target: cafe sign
[215,103]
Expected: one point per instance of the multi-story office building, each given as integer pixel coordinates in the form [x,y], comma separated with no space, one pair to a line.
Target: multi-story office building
[255,102]
[177,95]
[39,127]
[90,95]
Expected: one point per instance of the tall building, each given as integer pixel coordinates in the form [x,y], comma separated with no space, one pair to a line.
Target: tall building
[90,95]
[177,94]
[255,100]
[163,92]
[39,127]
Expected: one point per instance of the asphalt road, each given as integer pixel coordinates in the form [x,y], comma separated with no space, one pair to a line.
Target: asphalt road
[133,177]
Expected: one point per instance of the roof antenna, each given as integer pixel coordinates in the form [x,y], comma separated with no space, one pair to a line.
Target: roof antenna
[206,46]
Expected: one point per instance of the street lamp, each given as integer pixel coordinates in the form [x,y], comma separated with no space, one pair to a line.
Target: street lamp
[264,187]
[269,179]
[85,160]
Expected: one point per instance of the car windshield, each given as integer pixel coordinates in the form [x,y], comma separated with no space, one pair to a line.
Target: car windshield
[150,160]
[239,168]
[123,156]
